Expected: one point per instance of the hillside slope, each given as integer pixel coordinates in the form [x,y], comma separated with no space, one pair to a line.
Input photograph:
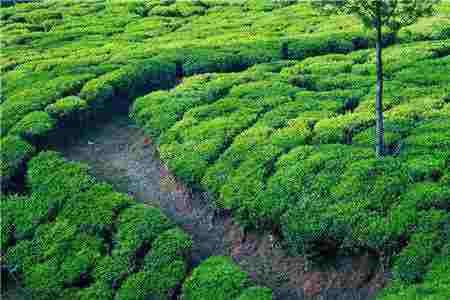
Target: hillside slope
[275,100]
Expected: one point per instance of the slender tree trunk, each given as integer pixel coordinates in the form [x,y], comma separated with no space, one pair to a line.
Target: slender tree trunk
[379,98]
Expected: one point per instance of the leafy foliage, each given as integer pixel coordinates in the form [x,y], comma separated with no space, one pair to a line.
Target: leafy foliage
[283,137]
[15,151]
[216,277]
[394,14]
[72,237]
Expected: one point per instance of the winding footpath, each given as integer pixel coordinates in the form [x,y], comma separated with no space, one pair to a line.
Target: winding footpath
[119,153]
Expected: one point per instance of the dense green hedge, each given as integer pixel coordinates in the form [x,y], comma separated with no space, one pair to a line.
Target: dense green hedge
[251,130]
[34,126]
[67,108]
[72,237]
[220,278]
[293,148]
[14,153]
[435,284]
[164,267]
[55,50]
[99,244]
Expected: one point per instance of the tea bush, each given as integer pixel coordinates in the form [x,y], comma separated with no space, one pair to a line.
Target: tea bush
[256,293]
[72,237]
[34,126]
[219,277]
[287,144]
[412,262]
[309,156]
[15,152]
[435,283]
[138,226]
[164,267]
[30,100]
[56,180]
[95,215]
[71,107]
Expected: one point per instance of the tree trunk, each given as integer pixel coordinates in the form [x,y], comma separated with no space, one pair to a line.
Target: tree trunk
[379,98]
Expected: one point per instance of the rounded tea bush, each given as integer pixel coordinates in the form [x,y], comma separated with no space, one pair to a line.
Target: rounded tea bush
[218,278]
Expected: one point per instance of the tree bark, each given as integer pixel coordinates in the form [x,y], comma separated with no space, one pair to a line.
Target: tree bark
[379,97]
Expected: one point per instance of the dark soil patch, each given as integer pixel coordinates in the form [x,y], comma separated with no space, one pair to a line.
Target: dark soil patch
[120,154]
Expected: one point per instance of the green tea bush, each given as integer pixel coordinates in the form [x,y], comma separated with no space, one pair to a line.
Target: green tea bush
[434,286]
[380,182]
[235,57]
[251,176]
[97,91]
[14,153]
[322,44]
[37,98]
[40,15]
[128,82]
[71,107]
[20,217]
[18,256]
[412,262]
[59,257]
[427,166]
[96,291]
[433,135]
[218,123]
[135,287]
[179,9]
[401,57]
[41,280]
[164,267]
[350,209]
[158,283]
[216,277]
[96,208]
[170,245]
[344,82]
[315,105]
[158,111]
[60,239]
[426,195]
[190,165]
[329,64]
[55,180]
[395,98]
[111,270]
[367,137]
[256,293]
[426,72]
[34,126]
[434,28]
[298,132]
[219,173]
[95,244]
[342,128]
[137,227]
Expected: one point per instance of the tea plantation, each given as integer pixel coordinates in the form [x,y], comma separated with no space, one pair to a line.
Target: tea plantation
[267,106]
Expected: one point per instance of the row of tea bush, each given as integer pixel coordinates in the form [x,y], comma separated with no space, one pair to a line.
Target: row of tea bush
[289,145]
[58,76]
[75,238]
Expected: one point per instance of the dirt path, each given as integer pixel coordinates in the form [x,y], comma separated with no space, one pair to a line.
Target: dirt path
[119,153]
